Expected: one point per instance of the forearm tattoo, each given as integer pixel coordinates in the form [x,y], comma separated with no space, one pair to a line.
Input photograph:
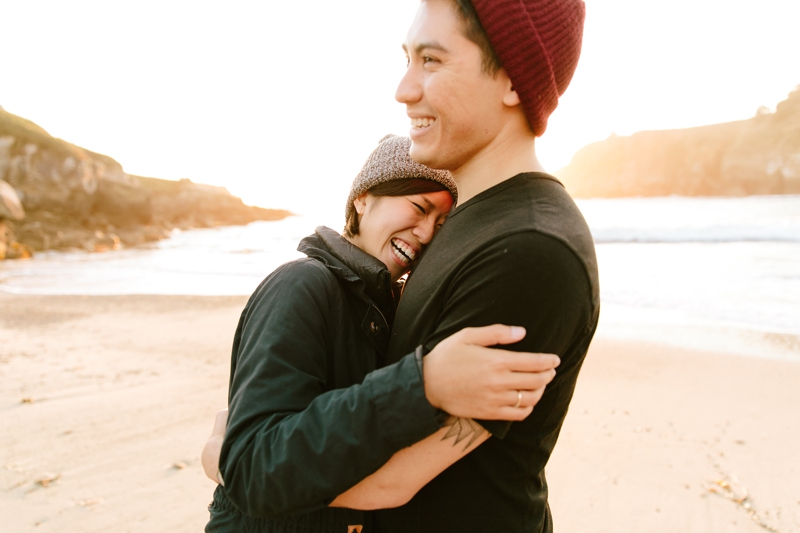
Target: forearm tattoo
[462,429]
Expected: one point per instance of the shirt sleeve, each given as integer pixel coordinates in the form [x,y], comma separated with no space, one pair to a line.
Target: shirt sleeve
[289,446]
[526,279]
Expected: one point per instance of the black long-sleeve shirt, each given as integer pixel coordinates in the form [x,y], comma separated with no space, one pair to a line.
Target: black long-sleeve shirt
[521,254]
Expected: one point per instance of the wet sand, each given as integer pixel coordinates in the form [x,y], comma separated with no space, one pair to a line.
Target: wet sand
[106,401]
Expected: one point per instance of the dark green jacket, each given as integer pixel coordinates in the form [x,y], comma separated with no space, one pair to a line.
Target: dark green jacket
[311,330]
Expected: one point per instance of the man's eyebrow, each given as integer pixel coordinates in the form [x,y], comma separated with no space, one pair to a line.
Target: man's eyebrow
[426,45]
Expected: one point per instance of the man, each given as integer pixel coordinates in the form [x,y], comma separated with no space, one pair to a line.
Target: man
[483,78]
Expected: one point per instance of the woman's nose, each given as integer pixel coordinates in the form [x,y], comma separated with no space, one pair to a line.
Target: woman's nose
[425,230]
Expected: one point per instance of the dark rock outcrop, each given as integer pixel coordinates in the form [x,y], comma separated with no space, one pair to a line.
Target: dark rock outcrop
[55,195]
[760,155]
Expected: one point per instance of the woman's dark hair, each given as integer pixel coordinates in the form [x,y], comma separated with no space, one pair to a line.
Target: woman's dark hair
[402,187]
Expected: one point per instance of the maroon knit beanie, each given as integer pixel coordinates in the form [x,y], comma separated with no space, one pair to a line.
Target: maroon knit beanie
[538,43]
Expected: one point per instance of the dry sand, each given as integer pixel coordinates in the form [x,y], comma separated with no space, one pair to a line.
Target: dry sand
[653,430]
[105,403]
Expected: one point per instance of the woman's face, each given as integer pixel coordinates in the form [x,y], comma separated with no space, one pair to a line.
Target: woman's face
[396,229]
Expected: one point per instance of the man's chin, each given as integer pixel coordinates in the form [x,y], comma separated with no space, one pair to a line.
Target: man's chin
[426,156]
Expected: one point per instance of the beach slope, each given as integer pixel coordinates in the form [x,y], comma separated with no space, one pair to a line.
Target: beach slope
[105,403]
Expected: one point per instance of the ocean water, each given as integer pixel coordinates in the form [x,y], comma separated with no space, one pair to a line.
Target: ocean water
[717,274]
[706,273]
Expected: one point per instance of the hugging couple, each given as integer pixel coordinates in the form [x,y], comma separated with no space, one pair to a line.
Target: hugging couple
[358,403]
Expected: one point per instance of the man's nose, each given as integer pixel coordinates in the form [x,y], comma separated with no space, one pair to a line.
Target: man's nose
[409,90]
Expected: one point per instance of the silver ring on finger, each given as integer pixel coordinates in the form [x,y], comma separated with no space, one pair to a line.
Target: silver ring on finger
[519,399]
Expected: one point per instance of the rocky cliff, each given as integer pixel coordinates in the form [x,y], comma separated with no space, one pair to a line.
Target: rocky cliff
[760,155]
[55,195]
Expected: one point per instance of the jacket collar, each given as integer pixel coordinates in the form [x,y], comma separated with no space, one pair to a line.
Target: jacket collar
[366,275]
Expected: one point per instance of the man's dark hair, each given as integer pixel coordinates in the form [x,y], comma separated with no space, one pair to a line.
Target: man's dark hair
[473,30]
[402,187]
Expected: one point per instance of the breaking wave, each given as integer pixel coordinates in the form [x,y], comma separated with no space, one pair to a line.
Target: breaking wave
[710,234]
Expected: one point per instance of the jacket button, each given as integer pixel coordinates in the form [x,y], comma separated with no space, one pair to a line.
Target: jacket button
[373,328]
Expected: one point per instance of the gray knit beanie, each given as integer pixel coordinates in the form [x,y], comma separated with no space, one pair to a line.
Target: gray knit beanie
[390,161]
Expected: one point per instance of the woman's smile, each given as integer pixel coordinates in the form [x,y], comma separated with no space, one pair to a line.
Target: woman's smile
[403,252]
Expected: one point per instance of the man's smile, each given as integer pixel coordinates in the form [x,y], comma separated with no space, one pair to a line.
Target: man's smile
[422,122]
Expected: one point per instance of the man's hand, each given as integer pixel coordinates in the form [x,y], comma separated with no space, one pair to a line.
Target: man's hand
[211,451]
[468,380]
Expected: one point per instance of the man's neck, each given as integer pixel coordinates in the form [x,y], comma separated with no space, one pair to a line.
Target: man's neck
[506,156]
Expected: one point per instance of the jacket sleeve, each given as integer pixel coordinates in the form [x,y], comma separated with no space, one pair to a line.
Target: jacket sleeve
[289,447]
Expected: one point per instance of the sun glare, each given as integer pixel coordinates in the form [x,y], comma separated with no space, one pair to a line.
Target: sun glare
[281,103]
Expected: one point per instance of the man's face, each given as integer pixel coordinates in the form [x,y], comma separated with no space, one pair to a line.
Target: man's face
[455,108]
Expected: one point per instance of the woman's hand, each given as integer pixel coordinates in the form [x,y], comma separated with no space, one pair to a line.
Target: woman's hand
[211,451]
[468,380]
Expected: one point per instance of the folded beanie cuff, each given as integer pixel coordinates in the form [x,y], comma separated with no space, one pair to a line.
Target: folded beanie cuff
[538,43]
[391,161]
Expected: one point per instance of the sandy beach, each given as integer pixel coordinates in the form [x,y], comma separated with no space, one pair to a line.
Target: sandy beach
[105,402]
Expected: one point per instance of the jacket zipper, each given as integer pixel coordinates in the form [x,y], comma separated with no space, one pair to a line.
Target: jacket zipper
[385,322]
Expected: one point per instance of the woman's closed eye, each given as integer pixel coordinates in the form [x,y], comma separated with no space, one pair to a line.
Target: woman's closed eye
[421,209]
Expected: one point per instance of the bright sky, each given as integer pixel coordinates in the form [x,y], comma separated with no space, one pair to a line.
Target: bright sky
[281,102]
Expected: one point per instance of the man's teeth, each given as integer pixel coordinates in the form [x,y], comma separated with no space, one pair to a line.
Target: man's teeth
[403,251]
[422,122]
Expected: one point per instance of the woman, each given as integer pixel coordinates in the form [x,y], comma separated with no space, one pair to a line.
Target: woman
[319,324]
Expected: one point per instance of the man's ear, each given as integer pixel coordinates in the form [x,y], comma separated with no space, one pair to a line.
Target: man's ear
[510,96]
[360,203]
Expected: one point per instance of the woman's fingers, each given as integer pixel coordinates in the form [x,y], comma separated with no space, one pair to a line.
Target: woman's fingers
[529,381]
[527,402]
[528,362]
[526,398]
[491,335]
